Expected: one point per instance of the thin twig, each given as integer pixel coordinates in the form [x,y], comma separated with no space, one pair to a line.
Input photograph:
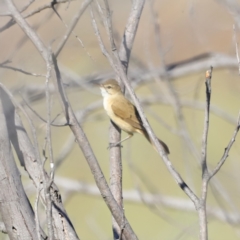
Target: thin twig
[74,23]
[11,22]
[202,211]
[236,44]
[22,71]
[70,28]
[5,62]
[206,121]
[39,116]
[99,38]
[227,149]
[26,6]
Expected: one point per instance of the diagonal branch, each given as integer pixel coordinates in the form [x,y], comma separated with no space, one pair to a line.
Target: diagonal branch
[90,157]
[153,138]
[227,149]
[12,21]
[21,71]
[70,28]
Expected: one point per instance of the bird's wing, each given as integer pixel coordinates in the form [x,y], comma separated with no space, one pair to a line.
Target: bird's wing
[120,107]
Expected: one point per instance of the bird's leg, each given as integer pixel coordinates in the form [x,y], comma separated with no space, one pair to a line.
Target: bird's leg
[116,144]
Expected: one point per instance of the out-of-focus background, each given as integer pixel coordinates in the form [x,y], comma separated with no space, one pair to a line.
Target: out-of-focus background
[187,29]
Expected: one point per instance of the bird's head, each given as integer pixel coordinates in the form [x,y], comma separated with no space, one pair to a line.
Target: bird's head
[110,87]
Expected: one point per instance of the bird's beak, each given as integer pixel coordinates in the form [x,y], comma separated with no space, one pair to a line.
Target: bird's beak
[100,85]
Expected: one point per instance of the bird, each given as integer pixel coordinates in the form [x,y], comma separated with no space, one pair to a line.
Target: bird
[123,113]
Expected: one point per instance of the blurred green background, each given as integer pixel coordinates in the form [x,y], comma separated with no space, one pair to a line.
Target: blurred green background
[187,28]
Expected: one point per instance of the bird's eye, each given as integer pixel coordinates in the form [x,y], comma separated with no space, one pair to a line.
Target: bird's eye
[108,87]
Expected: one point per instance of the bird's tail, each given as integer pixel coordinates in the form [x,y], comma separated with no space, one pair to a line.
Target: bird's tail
[164,145]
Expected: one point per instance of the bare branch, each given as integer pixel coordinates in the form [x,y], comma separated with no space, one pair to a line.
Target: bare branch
[100,41]
[206,122]
[14,201]
[41,118]
[22,71]
[202,211]
[72,26]
[47,185]
[133,196]
[29,158]
[90,157]
[236,44]
[74,22]
[26,6]
[227,149]
[11,22]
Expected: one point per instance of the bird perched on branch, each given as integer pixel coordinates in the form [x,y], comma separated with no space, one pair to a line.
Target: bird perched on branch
[123,113]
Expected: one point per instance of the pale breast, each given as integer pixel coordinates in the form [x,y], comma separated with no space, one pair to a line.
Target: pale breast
[106,104]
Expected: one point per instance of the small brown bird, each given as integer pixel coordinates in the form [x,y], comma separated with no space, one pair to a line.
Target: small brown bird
[123,113]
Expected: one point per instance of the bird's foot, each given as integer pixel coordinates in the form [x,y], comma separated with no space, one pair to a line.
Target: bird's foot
[111,145]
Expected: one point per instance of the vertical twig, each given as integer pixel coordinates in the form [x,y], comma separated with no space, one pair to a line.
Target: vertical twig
[202,211]
[236,45]
[206,120]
